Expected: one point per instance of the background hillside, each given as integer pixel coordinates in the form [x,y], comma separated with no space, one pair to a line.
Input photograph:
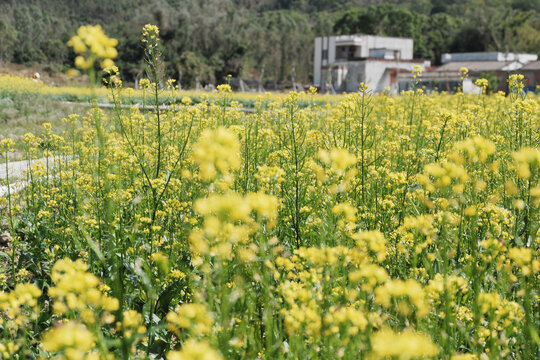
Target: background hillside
[263,39]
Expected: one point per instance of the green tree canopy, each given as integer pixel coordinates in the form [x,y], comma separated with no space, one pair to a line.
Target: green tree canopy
[264,39]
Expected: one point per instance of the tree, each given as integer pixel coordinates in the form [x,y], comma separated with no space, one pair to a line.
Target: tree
[8,34]
[440,31]
[385,20]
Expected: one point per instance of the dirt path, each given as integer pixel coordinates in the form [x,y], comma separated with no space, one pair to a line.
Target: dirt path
[148,107]
[16,171]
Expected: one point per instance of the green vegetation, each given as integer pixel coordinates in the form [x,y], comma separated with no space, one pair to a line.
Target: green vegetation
[26,113]
[204,40]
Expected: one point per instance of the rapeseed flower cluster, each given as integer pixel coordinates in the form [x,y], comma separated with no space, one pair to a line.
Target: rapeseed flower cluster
[72,339]
[76,290]
[216,151]
[150,34]
[92,45]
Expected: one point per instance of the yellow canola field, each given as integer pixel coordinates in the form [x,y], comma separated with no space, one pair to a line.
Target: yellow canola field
[374,227]
[19,85]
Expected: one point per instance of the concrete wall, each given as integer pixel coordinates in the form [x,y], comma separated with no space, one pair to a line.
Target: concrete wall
[317,62]
[356,72]
[322,45]
[331,49]
[347,76]
[404,46]
[470,88]
[377,75]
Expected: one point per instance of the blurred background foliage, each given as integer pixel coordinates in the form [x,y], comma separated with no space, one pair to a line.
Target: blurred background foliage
[204,40]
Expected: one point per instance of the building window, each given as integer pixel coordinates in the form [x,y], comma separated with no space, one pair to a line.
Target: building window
[325,54]
[346,52]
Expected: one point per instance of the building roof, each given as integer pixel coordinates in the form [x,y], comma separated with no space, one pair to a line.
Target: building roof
[357,36]
[431,75]
[533,65]
[475,66]
[372,60]
[488,56]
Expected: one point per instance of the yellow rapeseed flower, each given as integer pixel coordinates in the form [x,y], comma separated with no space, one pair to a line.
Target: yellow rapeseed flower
[406,345]
[195,350]
[93,45]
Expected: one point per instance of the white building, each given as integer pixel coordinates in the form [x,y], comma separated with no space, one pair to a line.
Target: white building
[341,63]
